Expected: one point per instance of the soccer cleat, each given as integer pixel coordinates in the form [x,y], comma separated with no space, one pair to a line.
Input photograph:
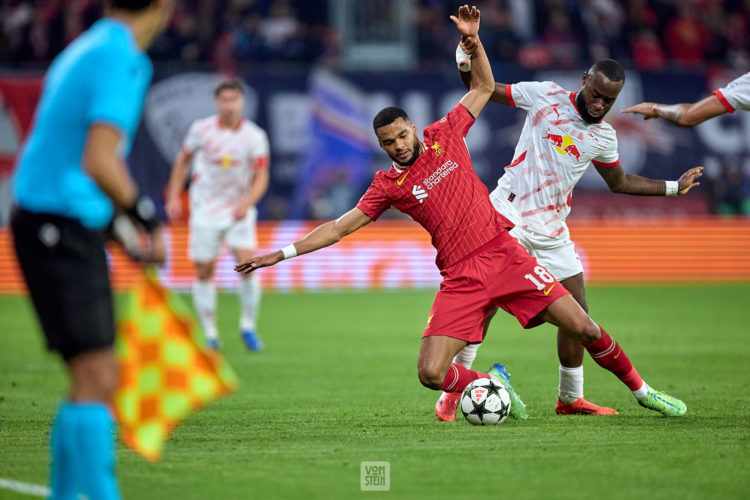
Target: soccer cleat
[252,341]
[517,408]
[213,344]
[667,405]
[582,407]
[447,406]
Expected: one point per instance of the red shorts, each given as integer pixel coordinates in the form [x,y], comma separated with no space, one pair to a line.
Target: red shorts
[502,274]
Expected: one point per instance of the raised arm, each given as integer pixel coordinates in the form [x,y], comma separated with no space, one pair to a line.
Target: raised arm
[322,236]
[684,115]
[482,82]
[464,53]
[620,182]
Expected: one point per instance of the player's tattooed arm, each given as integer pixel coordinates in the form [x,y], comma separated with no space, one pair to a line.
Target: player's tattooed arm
[322,236]
[683,114]
[620,182]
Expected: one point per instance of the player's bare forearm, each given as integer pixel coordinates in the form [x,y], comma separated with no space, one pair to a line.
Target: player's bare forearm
[258,186]
[178,175]
[482,83]
[106,167]
[620,182]
[498,94]
[322,236]
[683,114]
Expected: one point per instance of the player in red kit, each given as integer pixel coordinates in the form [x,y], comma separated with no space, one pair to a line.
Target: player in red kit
[482,265]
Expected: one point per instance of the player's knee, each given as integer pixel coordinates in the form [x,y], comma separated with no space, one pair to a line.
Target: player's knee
[204,273]
[431,376]
[584,329]
[589,332]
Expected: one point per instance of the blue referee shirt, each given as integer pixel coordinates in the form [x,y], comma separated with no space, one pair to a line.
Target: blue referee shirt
[101,77]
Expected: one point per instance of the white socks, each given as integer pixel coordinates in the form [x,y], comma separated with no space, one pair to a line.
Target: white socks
[204,298]
[643,391]
[465,356]
[571,384]
[249,292]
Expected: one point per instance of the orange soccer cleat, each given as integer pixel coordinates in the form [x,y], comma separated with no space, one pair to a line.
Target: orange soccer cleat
[582,407]
[447,405]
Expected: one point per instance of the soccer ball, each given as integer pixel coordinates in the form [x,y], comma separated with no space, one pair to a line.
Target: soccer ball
[485,401]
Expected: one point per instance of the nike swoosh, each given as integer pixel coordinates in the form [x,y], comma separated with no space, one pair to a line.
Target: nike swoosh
[548,290]
[401,180]
[617,355]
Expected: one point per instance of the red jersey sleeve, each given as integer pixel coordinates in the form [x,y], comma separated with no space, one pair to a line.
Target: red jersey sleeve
[376,200]
[458,120]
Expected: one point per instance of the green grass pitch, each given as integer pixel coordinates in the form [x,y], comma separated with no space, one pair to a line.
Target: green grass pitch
[337,386]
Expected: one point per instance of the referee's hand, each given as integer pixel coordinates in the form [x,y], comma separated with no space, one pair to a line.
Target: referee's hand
[138,244]
[157,251]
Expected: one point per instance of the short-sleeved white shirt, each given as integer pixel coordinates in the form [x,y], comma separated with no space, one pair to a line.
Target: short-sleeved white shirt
[736,95]
[555,149]
[223,166]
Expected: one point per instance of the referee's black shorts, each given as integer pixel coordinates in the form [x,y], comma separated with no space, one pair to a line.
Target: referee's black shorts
[65,268]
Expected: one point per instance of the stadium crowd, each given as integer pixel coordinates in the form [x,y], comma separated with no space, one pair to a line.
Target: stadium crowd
[647,34]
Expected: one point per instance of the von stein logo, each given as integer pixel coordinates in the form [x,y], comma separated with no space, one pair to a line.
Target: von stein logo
[419,193]
[375,476]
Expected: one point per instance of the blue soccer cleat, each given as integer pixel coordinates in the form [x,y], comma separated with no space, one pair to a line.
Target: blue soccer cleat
[213,344]
[517,408]
[252,341]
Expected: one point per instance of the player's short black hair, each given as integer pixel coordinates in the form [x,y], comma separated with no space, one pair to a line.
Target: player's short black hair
[609,68]
[232,84]
[133,5]
[388,115]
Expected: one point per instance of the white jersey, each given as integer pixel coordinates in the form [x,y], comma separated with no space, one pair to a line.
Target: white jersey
[736,95]
[555,149]
[223,166]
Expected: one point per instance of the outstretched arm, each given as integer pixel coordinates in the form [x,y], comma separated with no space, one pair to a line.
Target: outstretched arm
[684,115]
[464,54]
[320,237]
[482,82]
[620,182]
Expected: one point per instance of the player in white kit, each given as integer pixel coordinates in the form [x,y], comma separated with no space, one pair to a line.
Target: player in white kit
[230,160]
[736,95]
[563,134]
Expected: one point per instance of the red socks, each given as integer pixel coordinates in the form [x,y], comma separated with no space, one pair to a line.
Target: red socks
[458,377]
[608,354]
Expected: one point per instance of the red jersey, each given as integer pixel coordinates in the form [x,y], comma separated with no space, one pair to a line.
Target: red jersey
[441,192]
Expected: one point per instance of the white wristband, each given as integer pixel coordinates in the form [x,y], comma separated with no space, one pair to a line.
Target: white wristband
[463,60]
[289,251]
[673,187]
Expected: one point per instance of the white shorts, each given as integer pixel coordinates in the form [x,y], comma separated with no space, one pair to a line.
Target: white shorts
[558,256]
[206,240]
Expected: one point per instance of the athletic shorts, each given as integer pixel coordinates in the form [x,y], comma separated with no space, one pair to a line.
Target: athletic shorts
[65,268]
[499,274]
[206,240]
[558,256]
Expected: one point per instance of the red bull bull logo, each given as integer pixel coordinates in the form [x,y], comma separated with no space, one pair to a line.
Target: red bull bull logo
[564,145]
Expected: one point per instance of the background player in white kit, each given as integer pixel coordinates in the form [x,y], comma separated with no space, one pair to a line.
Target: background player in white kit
[736,95]
[563,134]
[230,160]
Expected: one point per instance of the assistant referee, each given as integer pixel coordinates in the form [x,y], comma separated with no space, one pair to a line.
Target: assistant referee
[69,179]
